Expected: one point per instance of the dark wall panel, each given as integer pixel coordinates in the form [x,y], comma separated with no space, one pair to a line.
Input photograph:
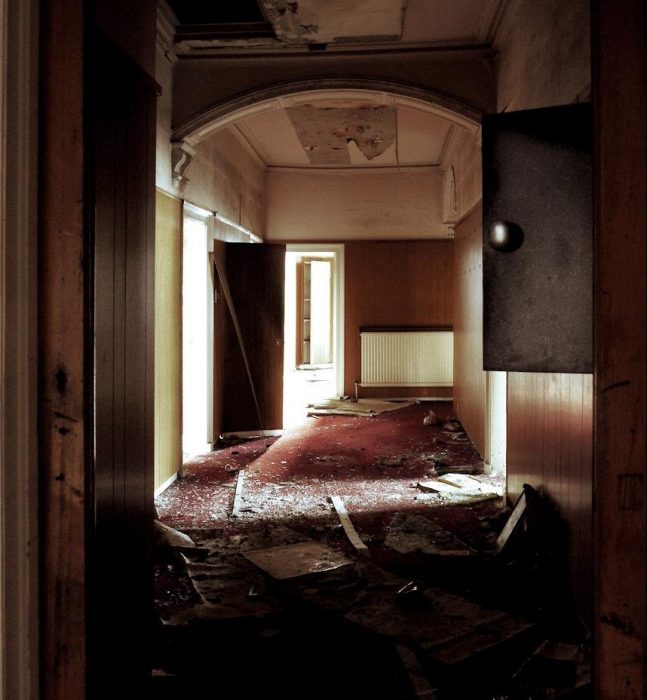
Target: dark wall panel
[124,161]
[538,297]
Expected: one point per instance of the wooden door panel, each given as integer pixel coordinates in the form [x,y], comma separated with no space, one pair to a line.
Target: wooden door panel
[256,278]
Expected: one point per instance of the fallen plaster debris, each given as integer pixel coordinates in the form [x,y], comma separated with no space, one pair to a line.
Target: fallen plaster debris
[290,561]
[460,488]
[410,533]
[391,461]
[442,468]
[362,407]
[436,486]
[346,523]
[430,419]
[169,537]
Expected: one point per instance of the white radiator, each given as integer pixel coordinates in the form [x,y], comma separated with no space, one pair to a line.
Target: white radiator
[407,358]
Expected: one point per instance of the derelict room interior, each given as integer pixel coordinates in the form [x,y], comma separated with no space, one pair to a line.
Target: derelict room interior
[340,271]
[322,409]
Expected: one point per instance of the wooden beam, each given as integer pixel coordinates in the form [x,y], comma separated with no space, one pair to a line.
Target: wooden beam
[620,497]
[62,324]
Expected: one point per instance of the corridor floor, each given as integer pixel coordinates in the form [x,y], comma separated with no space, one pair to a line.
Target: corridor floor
[406,617]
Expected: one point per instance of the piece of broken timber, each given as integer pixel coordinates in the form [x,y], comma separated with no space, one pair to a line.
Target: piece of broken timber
[346,523]
[238,495]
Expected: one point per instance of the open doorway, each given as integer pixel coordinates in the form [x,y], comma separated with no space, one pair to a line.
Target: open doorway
[313,335]
[197,333]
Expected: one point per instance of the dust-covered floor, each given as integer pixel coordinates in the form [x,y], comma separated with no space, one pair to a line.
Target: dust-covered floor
[275,600]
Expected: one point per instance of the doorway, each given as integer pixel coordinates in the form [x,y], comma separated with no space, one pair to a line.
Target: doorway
[313,334]
[197,333]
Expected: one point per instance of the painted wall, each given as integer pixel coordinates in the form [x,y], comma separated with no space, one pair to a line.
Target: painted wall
[544,54]
[394,283]
[131,25]
[333,206]
[544,60]
[225,178]
[462,79]
[463,182]
[470,390]
[168,337]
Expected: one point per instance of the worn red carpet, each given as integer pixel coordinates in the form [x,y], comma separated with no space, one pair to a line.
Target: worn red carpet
[372,463]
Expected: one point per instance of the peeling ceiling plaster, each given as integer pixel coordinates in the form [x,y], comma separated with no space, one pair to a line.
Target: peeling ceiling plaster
[314,21]
[345,25]
[325,133]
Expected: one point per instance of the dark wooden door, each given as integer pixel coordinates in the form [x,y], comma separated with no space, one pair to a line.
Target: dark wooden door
[123,190]
[256,279]
[538,284]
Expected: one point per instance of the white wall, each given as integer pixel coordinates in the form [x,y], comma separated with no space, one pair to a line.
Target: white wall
[463,186]
[330,205]
[544,54]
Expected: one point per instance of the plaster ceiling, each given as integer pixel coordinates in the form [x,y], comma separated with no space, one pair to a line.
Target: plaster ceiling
[248,25]
[345,134]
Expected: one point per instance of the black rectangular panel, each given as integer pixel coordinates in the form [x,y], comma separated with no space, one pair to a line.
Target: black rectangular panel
[538,298]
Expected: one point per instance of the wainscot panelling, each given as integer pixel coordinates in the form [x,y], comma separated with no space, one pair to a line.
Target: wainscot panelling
[168,337]
[620,111]
[394,283]
[470,387]
[550,443]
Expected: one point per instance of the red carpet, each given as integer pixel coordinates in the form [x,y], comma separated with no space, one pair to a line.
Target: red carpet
[372,463]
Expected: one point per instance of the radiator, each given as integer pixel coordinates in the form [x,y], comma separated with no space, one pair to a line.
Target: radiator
[407,358]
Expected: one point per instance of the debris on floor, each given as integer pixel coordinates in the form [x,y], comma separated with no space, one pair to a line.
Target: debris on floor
[166,536]
[430,419]
[294,580]
[414,533]
[558,667]
[346,523]
[361,407]
[292,560]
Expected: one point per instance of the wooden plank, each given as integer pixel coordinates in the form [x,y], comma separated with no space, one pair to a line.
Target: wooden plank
[346,523]
[620,100]
[238,494]
[64,402]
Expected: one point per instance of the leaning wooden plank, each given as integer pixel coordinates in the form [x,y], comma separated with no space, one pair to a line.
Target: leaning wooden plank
[238,495]
[346,523]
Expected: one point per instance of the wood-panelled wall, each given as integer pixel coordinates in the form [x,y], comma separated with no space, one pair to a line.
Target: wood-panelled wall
[168,337]
[394,283]
[470,380]
[550,444]
[64,403]
[620,109]
[124,257]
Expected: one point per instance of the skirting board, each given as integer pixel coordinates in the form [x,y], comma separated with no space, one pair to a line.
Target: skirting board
[165,485]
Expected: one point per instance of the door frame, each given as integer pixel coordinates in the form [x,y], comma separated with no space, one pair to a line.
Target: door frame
[19,576]
[206,217]
[338,299]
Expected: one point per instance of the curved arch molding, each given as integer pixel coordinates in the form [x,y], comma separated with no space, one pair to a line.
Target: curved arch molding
[209,94]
